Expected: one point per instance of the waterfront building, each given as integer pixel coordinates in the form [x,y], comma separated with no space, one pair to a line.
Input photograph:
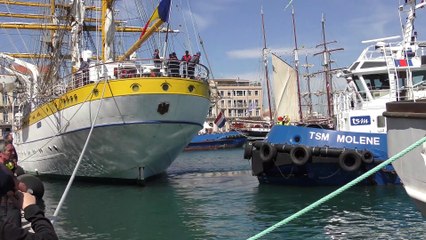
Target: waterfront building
[238,99]
[6,113]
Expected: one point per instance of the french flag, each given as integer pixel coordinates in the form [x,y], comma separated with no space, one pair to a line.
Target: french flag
[220,120]
[403,62]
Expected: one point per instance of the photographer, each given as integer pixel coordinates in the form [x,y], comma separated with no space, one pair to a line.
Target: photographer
[9,230]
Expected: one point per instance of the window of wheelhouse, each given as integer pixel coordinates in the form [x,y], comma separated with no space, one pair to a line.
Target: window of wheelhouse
[377,81]
[359,86]
[419,77]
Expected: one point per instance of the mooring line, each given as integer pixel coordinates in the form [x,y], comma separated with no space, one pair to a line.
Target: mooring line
[339,190]
[77,165]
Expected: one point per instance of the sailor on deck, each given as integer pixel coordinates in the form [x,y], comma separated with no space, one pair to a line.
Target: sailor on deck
[352,92]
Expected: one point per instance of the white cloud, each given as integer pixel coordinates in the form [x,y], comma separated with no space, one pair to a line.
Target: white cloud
[245,53]
[253,53]
[205,12]
[377,24]
[201,22]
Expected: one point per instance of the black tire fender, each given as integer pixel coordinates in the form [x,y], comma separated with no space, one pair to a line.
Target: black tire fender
[267,152]
[300,155]
[367,157]
[248,150]
[350,160]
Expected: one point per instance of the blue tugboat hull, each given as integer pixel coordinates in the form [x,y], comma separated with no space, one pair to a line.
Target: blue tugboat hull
[294,155]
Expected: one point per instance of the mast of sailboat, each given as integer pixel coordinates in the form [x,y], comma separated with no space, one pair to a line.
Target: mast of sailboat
[265,62]
[296,65]
[308,80]
[327,67]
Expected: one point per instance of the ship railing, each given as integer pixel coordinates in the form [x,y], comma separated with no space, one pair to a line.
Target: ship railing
[375,52]
[134,69]
[343,101]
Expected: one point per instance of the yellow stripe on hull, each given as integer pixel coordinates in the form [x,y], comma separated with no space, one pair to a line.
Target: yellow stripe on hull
[118,88]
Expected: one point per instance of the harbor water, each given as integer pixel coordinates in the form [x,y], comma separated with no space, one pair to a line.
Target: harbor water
[212,195]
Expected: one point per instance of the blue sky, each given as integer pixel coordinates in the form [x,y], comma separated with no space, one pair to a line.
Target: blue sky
[231,30]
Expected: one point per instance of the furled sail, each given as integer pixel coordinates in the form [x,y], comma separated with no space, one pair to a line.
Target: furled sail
[77,11]
[285,89]
[109,33]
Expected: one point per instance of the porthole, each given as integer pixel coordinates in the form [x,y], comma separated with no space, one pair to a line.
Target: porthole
[165,86]
[95,92]
[75,97]
[191,88]
[135,87]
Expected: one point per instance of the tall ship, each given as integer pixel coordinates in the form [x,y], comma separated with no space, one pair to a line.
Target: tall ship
[352,138]
[84,103]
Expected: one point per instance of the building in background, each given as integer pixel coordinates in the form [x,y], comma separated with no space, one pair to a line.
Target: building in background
[238,99]
[6,113]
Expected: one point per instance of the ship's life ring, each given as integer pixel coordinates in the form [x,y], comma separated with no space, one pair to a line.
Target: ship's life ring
[367,157]
[350,160]
[267,152]
[300,155]
[248,150]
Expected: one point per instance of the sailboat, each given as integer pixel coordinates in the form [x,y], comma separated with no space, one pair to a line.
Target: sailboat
[122,117]
[310,156]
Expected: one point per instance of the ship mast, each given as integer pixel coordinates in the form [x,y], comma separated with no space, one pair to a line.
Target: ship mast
[265,62]
[327,67]
[308,80]
[296,65]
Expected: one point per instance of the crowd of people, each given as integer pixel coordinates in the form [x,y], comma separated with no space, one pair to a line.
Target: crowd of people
[14,197]
[173,64]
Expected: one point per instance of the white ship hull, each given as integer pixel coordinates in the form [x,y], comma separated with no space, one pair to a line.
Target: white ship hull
[406,125]
[131,139]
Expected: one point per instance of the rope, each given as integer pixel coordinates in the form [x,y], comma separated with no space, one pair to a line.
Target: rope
[64,195]
[340,190]
[60,131]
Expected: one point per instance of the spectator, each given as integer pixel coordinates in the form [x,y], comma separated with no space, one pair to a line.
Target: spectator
[84,71]
[192,63]
[185,60]
[9,229]
[173,65]
[157,62]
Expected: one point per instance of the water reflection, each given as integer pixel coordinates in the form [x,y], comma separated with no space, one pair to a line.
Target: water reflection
[214,196]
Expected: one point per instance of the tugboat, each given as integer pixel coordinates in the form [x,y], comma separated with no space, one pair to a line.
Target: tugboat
[356,140]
